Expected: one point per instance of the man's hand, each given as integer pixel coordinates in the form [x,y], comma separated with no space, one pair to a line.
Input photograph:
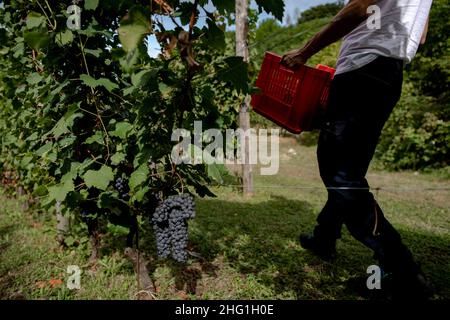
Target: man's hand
[342,24]
[294,59]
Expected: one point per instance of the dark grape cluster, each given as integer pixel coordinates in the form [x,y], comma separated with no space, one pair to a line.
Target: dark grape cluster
[171,228]
[121,186]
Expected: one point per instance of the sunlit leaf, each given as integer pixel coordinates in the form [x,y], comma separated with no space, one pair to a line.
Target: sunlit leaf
[133,27]
[99,178]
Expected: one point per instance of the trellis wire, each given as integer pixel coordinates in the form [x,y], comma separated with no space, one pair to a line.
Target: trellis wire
[342,188]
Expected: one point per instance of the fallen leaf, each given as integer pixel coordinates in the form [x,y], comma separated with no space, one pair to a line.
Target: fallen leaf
[182,295]
[36,225]
[55,282]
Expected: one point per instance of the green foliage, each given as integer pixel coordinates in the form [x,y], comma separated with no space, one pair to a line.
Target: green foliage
[233,73]
[99,179]
[91,4]
[82,108]
[417,135]
[270,36]
[430,70]
[275,7]
[133,27]
[321,11]
[224,5]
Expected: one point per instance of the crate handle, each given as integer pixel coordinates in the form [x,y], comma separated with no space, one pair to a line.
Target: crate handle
[289,70]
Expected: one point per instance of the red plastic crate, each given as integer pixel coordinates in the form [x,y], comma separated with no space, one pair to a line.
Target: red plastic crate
[326,91]
[289,98]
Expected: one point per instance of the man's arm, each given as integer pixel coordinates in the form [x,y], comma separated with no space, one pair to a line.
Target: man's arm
[342,24]
[425,33]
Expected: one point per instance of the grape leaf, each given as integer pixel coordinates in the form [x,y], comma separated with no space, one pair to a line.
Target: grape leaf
[129,60]
[60,191]
[139,195]
[64,37]
[214,172]
[108,84]
[224,5]
[99,178]
[236,74]
[34,20]
[117,158]
[142,77]
[66,122]
[122,129]
[93,83]
[275,7]
[214,36]
[95,52]
[133,27]
[44,149]
[138,176]
[91,4]
[36,40]
[34,78]
[97,137]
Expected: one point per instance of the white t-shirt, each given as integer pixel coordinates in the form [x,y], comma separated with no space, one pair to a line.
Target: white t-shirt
[402,23]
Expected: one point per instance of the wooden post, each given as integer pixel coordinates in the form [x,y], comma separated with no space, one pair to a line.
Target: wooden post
[62,224]
[244,116]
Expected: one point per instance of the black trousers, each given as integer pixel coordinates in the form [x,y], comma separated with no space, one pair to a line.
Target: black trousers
[360,103]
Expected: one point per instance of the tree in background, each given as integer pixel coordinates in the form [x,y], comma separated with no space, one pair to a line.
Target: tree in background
[417,136]
[321,11]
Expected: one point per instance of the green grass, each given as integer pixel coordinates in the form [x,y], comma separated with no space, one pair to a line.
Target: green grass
[248,247]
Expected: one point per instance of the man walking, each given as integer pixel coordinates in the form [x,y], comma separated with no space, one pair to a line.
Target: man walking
[366,88]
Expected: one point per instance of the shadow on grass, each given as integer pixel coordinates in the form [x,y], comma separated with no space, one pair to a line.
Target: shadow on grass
[432,252]
[256,239]
[261,240]
[6,277]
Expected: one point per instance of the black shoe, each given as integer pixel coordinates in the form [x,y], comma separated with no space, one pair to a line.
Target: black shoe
[324,249]
[415,287]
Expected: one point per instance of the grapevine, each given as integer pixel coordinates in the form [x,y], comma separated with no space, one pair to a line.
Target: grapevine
[88,114]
